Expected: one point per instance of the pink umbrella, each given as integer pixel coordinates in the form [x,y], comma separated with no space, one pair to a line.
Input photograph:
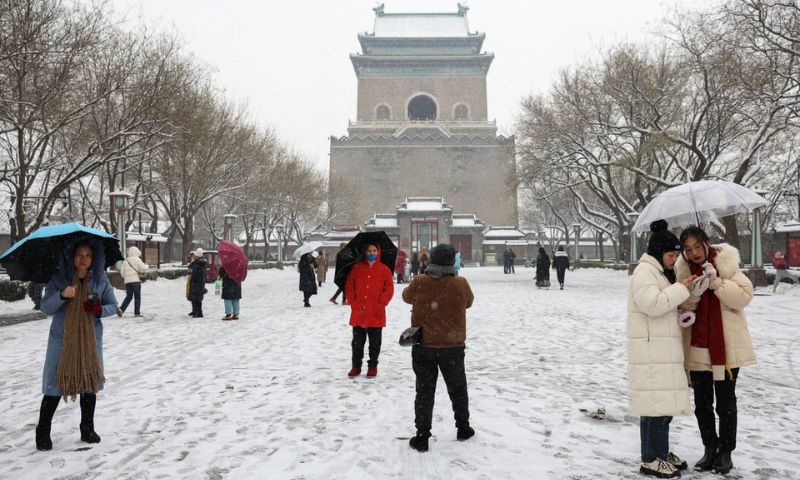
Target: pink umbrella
[233,260]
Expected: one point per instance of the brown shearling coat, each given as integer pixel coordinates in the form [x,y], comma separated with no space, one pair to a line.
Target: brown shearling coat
[440,308]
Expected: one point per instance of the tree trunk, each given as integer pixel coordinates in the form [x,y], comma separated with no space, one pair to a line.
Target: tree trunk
[731,231]
[188,237]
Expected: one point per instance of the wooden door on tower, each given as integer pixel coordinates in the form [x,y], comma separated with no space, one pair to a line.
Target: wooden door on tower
[462,243]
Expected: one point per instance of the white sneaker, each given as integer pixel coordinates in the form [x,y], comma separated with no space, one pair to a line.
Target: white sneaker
[660,469]
[677,462]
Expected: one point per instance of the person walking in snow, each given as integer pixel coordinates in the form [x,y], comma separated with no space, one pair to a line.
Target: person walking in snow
[561,264]
[718,344]
[308,283]
[440,300]
[370,288]
[132,271]
[424,259]
[458,262]
[542,269]
[508,260]
[321,267]
[35,293]
[77,297]
[231,294]
[338,289]
[658,388]
[414,264]
[196,283]
[400,266]
[781,269]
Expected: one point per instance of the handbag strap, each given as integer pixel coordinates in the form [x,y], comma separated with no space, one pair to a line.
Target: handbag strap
[134,268]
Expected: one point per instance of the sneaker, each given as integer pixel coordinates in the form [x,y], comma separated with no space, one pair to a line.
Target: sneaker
[419,443]
[372,372]
[659,468]
[354,372]
[119,312]
[235,317]
[465,433]
[677,462]
[227,317]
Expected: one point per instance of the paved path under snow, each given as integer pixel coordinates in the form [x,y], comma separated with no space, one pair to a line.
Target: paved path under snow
[268,397]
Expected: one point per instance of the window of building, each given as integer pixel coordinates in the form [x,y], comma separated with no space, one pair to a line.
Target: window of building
[422,107]
[461,112]
[383,113]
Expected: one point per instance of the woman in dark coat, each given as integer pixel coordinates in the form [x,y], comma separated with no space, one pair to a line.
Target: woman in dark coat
[231,293]
[542,269]
[77,297]
[414,264]
[197,282]
[561,264]
[308,278]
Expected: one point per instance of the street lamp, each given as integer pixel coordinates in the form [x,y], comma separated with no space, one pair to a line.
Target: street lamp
[279,231]
[577,228]
[633,216]
[227,232]
[121,202]
[756,273]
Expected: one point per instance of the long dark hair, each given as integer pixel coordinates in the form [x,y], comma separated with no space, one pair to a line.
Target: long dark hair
[696,232]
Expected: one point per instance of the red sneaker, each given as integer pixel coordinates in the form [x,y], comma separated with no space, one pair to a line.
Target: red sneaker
[235,317]
[227,317]
[354,372]
[372,372]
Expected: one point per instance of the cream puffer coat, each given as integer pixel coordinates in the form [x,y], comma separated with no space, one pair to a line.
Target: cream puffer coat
[735,293]
[132,266]
[657,382]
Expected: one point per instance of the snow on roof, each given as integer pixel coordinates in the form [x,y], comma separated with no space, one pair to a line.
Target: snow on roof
[788,227]
[465,221]
[424,204]
[142,237]
[503,232]
[421,25]
[382,220]
[512,243]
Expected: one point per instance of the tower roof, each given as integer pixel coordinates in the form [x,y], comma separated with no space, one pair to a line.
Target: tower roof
[421,25]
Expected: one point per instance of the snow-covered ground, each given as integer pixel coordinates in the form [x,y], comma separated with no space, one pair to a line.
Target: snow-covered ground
[267,397]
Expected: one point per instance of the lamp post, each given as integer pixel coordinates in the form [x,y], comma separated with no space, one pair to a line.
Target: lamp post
[279,231]
[633,216]
[230,221]
[577,228]
[121,200]
[756,273]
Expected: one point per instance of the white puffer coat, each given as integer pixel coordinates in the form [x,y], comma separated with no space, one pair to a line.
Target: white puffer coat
[735,293]
[132,266]
[657,382]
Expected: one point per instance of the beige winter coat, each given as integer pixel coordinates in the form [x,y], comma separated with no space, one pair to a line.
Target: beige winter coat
[657,382]
[322,267]
[132,266]
[734,293]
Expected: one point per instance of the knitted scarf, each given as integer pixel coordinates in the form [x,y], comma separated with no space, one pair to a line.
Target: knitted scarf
[707,331]
[79,365]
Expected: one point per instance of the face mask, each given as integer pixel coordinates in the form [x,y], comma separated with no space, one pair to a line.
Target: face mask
[372,258]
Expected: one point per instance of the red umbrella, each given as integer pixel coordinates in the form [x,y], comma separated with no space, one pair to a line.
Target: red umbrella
[234,261]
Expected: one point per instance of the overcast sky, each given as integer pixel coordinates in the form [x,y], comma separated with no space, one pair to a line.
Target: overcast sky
[289,59]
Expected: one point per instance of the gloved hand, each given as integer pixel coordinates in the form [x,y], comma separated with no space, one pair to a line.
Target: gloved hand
[93,306]
[699,285]
[713,279]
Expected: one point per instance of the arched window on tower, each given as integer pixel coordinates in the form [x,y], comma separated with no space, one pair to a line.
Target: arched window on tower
[383,112]
[461,112]
[422,107]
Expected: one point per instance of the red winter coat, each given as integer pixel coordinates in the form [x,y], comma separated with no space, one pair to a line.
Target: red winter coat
[400,263]
[368,291]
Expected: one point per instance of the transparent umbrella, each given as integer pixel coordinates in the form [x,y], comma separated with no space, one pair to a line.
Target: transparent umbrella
[306,248]
[695,202]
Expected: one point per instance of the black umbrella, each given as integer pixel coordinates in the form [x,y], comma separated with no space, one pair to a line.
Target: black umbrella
[353,253]
[37,256]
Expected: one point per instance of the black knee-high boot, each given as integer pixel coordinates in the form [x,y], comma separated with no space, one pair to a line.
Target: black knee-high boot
[88,435]
[46,412]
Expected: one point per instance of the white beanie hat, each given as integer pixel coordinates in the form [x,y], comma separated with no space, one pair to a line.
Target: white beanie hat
[199,252]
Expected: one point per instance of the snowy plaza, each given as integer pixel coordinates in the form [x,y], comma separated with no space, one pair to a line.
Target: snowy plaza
[268,396]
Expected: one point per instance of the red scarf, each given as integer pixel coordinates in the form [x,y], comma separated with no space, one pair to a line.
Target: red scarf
[707,330]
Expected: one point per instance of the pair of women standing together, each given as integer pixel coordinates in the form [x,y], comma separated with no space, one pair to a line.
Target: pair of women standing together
[687,274]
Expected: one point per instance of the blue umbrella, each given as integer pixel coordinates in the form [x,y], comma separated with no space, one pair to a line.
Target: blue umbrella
[37,256]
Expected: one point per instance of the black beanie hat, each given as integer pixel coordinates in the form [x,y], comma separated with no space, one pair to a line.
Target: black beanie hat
[443,255]
[661,240]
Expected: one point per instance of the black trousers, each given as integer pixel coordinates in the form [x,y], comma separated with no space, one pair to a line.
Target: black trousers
[560,274]
[360,335]
[133,291]
[336,295]
[705,389]
[306,296]
[426,363]
[50,403]
[197,307]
